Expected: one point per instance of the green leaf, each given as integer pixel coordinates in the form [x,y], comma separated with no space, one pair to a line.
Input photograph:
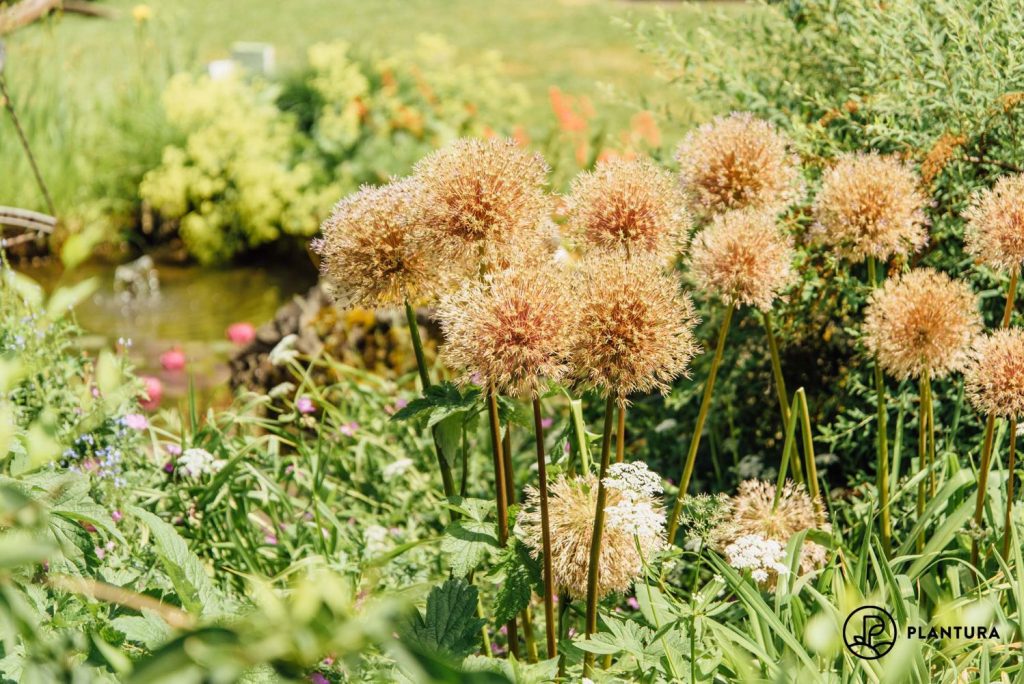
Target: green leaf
[468,542]
[515,670]
[521,574]
[450,625]
[193,586]
[146,629]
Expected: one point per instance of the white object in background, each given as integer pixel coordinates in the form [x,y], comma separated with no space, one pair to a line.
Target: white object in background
[256,58]
[220,69]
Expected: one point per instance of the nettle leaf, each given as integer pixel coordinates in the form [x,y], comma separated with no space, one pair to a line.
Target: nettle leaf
[471,539]
[512,411]
[146,629]
[186,572]
[522,575]
[450,625]
[514,670]
[440,401]
[623,636]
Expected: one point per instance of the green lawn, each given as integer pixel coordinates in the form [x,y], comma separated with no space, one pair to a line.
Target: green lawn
[66,73]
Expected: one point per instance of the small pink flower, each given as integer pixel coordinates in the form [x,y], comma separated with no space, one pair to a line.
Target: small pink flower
[241,333]
[173,360]
[95,391]
[116,516]
[136,421]
[305,405]
[566,448]
[547,422]
[633,603]
[88,527]
[270,539]
[328,661]
[169,467]
[318,678]
[100,552]
[349,429]
[173,449]
[152,393]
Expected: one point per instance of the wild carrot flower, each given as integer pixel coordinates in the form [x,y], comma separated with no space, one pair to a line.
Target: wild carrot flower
[752,511]
[994,233]
[373,250]
[628,206]
[635,327]
[480,195]
[738,162]
[743,257]
[513,331]
[764,558]
[571,505]
[994,378]
[921,321]
[871,205]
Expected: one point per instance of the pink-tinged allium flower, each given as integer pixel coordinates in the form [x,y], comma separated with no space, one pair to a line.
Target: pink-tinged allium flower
[743,258]
[994,233]
[241,333]
[514,330]
[628,207]
[136,421]
[152,393]
[871,205]
[376,251]
[173,360]
[482,197]
[994,378]
[305,405]
[739,162]
[635,326]
[921,321]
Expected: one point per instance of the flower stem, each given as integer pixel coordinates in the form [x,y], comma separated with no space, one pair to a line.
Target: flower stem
[620,434]
[882,467]
[810,464]
[922,450]
[510,498]
[990,426]
[932,478]
[545,525]
[447,480]
[1010,466]
[705,405]
[501,495]
[595,539]
[780,381]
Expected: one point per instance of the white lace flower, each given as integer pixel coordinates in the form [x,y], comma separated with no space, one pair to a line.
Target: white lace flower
[633,479]
[764,558]
[197,462]
[636,517]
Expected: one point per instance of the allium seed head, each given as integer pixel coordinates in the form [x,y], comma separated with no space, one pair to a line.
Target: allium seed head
[994,378]
[739,162]
[922,320]
[635,326]
[743,257]
[514,329]
[572,502]
[480,195]
[629,207]
[871,205]
[750,513]
[995,225]
[373,252]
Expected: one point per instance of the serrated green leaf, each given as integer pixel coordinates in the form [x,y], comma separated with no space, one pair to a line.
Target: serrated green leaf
[450,625]
[467,543]
[517,589]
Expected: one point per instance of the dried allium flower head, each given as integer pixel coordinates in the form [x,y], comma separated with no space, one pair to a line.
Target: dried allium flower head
[750,513]
[513,330]
[995,225]
[921,320]
[628,206]
[479,195]
[994,378]
[373,251]
[871,205]
[743,258]
[635,326]
[571,505]
[739,162]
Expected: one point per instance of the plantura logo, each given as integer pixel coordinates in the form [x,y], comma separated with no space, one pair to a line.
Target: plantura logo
[869,632]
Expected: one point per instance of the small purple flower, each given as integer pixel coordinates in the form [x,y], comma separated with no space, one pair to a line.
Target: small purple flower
[318,678]
[305,405]
[547,422]
[270,539]
[633,603]
[136,421]
[349,429]
[401,403]
[116,516]
[173,449]
[169,467]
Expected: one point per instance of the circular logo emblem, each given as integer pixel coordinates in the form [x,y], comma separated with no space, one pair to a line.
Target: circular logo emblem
[869,632]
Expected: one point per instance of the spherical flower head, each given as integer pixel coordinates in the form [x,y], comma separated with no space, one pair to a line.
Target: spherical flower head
[628,207]
[764,558]
[750,512]
[739,162]
[871,205]
[513,330]
[373,250]
[994,233]
[921,321]
[480,195]
[744,258]
[633,479]
[994,378]
[635,326]
[629,524]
